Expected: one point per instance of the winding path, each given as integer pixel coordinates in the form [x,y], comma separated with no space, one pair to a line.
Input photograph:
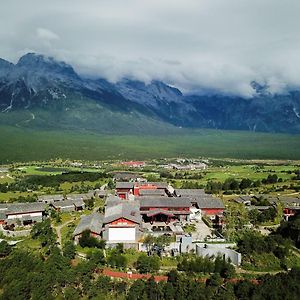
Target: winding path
[58,232]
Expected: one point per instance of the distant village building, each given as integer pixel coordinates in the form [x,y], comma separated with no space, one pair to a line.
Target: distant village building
[133,164]
[50,198]
[122,224]
[164,209]
[153,207]
[126,176]
[209,205]
[100,193]
[246,200]
[77,197]
[25,213]
[124,189]
[68,205]
[291,206]
[191,167]
[92,223]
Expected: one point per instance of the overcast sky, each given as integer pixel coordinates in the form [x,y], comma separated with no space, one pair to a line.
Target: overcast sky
[195,44]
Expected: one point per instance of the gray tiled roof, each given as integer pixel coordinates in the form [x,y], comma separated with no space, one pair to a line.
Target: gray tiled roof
[50,197]
[63,203]
[92,222]
[243,199]
[125,175]
[163,211]
[125,209]
[25,208]
[152,192]
[290,200]
[113,200]
[130,185]
[124,185]
[101,193]
[67,203]
[156,201]
[4,206]
[189,192]
[208,201]
[80,196]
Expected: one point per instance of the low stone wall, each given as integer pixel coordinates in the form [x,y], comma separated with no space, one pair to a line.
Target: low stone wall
[17,233]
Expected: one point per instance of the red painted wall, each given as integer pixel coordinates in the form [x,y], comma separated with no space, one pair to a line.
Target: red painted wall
[122,221]
[212,211]
[94,234]
[122,195]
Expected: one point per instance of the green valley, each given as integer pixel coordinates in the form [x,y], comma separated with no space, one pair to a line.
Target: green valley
[19,144]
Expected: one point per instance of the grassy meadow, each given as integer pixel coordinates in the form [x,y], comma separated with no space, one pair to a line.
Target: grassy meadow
[19,145]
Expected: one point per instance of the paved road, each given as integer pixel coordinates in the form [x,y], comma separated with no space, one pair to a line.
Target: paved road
[202,231]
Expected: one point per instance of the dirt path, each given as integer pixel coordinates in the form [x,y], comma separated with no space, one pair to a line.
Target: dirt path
[102,188]
[58,232]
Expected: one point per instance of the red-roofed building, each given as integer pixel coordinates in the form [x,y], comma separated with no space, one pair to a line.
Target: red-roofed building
[124,189]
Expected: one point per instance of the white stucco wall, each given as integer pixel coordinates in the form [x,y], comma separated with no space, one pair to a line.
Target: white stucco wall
[33,214]
[122,234]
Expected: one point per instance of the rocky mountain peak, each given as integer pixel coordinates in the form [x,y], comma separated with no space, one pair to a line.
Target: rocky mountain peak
[40,63]
[5,64]
[43,83]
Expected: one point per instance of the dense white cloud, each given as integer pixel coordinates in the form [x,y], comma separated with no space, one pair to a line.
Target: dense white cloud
[195,44]
[45,34]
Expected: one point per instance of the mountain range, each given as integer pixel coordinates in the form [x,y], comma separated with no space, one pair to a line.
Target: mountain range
[41,92]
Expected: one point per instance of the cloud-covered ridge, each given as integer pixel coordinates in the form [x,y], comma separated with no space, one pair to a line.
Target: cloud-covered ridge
[198,45]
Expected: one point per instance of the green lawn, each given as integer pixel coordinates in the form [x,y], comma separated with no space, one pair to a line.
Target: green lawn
[32,145]
[5,179]
[52,170]
[5,197]
[247,171]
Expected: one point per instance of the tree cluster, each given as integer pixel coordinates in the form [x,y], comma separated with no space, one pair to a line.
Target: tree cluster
[256,217]
[148,264]
[207,265]
[191,185]
[25,275]
[86,240]
[54,180]
[272,178]
[44,233]
[19,185]
[5,249]
[291,229]
[181,287]
[252,243]
[297,175]
[231,184]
